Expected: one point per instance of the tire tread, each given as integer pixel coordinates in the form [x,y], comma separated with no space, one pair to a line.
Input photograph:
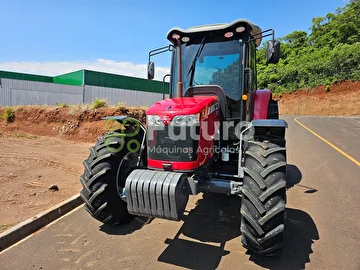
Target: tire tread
[263,200]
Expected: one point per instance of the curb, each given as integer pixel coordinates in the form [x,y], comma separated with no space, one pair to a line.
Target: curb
[27,227]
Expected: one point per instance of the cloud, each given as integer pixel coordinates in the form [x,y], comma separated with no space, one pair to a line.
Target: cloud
[204,75]
[103,65]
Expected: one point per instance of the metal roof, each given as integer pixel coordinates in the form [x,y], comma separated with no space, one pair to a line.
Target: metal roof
[252,28]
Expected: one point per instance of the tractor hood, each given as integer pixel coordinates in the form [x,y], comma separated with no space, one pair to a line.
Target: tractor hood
[181,106]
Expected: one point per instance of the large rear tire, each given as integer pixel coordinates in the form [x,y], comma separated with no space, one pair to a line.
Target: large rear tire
[263,198]
[104,178]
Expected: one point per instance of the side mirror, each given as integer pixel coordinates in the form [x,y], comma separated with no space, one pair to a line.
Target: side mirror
[151,70]
[273,52]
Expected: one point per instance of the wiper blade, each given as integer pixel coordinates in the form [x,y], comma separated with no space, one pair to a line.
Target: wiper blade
[192,67]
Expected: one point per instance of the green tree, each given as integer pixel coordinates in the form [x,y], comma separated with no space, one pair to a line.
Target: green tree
[329,52]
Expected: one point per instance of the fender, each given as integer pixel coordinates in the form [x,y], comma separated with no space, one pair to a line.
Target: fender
[261,103]
[270,129]
[129,123]
[121,119]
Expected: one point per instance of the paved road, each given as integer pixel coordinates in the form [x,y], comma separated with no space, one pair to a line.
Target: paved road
[322,230]
[343,132]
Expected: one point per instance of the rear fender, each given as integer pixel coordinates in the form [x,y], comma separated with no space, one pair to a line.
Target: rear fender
[261,103]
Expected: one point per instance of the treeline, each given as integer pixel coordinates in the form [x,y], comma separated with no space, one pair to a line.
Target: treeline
[330,52]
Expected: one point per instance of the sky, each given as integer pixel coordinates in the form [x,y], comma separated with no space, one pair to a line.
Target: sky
[54,37]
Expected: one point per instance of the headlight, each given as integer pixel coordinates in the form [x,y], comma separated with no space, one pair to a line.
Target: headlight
[185,120]
[154,120]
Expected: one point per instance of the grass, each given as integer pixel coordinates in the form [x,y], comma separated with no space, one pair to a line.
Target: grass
[74,109]
[22,135]
[121,104]
[4,227]
[9,115]
[98,103]
[62,105]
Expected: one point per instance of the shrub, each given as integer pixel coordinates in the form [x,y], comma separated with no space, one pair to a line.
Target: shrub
[62,105]
[327,88]
[98,103]
[9,115]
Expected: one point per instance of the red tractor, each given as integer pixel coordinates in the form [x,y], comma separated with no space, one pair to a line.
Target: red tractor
[216,133]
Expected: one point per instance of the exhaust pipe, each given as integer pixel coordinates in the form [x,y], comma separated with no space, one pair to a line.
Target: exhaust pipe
[179,62]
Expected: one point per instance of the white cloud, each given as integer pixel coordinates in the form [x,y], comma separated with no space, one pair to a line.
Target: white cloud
[204,75]
[103,65]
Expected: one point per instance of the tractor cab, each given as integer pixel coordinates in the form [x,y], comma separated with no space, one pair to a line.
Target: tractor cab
[217,59]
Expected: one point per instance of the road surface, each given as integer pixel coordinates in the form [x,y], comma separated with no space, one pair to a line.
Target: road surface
[322,229]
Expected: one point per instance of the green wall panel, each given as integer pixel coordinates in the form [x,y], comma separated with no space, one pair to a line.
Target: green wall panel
[123,82]
[72,78]
[24,76]
[94,78]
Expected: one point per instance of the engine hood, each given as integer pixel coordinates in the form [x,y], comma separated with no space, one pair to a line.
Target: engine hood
[181,106]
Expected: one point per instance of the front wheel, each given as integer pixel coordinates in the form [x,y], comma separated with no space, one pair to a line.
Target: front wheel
[106,169]
[263,198]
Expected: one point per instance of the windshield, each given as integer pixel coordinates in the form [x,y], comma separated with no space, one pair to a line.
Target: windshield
[218,63]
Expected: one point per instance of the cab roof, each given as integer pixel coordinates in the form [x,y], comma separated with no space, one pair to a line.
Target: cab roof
[217,29]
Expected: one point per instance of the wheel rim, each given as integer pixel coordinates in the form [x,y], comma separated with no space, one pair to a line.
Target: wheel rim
[126,166]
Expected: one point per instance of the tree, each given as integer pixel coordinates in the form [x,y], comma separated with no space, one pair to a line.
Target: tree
[330,51]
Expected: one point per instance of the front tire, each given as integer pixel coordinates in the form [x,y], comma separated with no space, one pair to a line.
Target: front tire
[263,198]
[103,180]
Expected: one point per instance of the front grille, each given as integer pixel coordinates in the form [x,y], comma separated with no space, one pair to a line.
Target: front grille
[163,146]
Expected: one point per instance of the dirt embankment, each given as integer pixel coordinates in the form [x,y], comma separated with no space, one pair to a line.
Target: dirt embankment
[78,123]
[342,99]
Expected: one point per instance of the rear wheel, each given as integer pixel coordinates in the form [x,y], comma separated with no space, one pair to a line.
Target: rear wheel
[263,198]
[104,178]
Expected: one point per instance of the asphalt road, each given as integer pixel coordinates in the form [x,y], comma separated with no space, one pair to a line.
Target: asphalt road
[322,229]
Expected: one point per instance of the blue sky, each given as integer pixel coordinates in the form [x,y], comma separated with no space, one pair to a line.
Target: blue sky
[52,37]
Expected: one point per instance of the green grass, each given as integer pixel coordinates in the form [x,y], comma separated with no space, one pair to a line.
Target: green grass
[22,135]
[62,105]
[98,103]
[9,115]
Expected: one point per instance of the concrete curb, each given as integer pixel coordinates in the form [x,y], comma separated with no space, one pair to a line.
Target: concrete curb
[27,227]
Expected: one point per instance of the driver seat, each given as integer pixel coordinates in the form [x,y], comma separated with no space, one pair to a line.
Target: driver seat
[210,90]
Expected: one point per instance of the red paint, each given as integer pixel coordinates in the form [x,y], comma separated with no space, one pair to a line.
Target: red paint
[180,106]
[261,103]
[207,135]
[176,166]
[186,106]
